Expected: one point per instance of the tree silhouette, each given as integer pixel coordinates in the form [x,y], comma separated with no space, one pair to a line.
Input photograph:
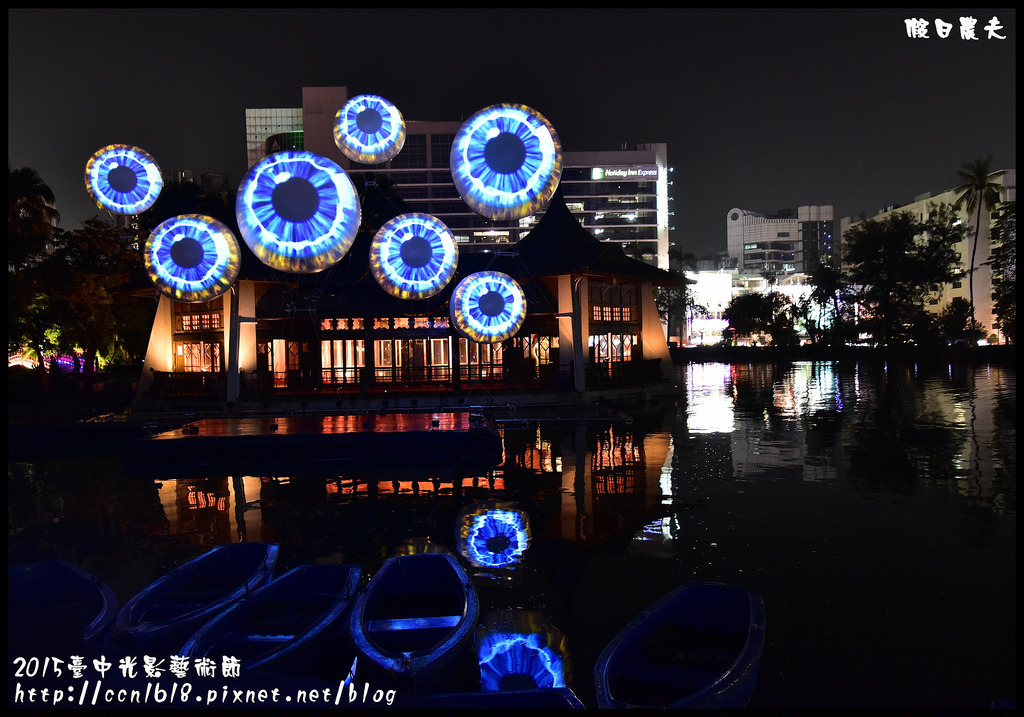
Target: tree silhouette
[32,216]
[755,313]
[82,277]
[32,219]
[977,192]
[831,288]
[1004,269]
[956,323]
[895,263]
[672,302]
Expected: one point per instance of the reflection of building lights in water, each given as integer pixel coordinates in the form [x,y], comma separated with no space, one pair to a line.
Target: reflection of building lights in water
[709,407]
[198,498]
[512,661]
[808,388]
[661,529]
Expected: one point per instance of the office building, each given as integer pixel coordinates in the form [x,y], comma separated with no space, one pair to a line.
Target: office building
[786,242]
[620,196]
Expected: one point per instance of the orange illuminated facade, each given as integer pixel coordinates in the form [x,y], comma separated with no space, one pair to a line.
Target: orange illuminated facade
[337,340]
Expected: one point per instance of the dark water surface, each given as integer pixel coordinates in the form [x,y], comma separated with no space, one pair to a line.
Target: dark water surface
[873,505]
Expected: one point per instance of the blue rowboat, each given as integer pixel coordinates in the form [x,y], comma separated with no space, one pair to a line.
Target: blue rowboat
[552,698]
[291,624]
[698,647]
[414,622]
[162,616]
[55,608]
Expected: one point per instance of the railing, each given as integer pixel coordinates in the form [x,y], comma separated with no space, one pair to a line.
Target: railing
[189,384]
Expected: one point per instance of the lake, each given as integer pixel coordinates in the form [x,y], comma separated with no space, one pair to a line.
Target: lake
[872,504]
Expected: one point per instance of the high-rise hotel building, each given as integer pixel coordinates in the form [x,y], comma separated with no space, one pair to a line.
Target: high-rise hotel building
[619,196]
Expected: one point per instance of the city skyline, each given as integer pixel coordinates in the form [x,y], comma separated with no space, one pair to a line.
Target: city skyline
[761,109]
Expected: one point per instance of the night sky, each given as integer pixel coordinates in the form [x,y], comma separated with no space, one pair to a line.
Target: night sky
[761,109]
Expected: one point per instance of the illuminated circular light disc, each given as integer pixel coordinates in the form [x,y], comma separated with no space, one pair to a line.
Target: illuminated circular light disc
[506,161]
[192,258]
[123,179]
[488,307]
[520,659]
[413,256]
[298,212]
[369,129]
[496,539]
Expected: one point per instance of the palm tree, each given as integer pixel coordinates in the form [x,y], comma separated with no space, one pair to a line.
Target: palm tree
[32,219]
[32,215]
[977,190]
[677,300]
[831,289]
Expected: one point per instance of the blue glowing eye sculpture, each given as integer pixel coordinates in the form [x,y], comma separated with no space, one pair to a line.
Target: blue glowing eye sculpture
[488,307]
[298,212]
[506,161]
[494,538]
[192,258]
[413,256]
[369,130]
[123,179]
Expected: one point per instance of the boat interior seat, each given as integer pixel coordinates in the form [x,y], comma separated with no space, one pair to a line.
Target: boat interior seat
[413,623]
[268,638]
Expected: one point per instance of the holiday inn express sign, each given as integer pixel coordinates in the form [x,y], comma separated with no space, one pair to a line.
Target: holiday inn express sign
[632,173]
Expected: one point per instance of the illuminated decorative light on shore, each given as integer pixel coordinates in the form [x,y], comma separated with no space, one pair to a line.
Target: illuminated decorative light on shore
[413,256]
[19,359]
[298,212]
[192,258]
[123,179]
[488,307]
[506,161]
[369,130]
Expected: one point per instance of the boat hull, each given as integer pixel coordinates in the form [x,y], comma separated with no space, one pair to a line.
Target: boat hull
[57,608]
[414,622]
[551,698]
[698,647]
[162,616]
[290,625]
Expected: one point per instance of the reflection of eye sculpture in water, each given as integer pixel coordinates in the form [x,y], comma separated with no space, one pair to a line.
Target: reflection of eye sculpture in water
[298,212]
[488,307]
[515,661]
[495,538]
[413,256]
[506,161]
[369,129]
[192,258]
[123,179]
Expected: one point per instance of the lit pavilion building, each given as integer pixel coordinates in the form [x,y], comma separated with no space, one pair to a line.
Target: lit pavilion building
[336,340]
[320,310]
